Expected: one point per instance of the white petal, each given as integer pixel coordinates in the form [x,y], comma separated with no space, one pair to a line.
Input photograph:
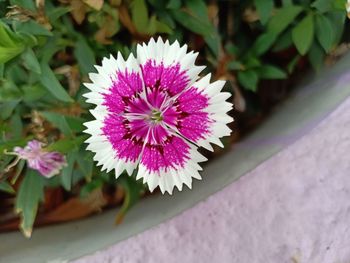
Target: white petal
[171,177]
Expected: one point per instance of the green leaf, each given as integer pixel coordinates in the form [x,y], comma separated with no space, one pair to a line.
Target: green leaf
[26,4]
[16,126]
[337,19]
[7,37]
[232,49]
[174,4]
[191,21]
[248,79]
[75,123]
[303,34]
[9,53]
[10,44]
[9,91]
[30,193]
[31,27]
[163,28]
[287,2]
[7,108]
[283,18]
[10,144]
[33,92]
[67,145]
[6,187]
[91,186]
[133,191]
[19,170]
[322,5]
[263,43]
[30,61]
[57,12]
[291,65]
[213,42]
[316,56]
[271,72]
[284,41]
[59,121]
[195,18]
[324,32]
[85,164]
[152,27]
[139,14]
[85,56]
[235,65]
[67,172]
[2,69]
[339,5]
[49,80]
[199,8]
[251,62]
[264,8]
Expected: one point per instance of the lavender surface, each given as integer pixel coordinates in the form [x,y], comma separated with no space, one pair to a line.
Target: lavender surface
[293,207]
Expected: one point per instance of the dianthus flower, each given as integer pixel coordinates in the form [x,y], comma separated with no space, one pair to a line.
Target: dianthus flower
[153,112]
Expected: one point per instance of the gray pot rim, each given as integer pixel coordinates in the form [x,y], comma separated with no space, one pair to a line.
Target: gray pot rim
[305,108]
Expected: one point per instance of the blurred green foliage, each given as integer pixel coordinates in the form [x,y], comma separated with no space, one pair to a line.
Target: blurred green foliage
[47,48]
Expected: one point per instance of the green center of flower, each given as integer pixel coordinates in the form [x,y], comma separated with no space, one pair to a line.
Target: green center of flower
[156,116]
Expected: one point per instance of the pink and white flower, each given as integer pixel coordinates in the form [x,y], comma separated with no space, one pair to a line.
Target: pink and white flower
[46,163]
[153,112]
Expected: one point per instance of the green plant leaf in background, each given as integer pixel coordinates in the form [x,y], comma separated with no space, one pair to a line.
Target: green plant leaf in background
[263,43]
[292,64]
[59,121]
[271,72]
[30,61]
[337,19]
[235,65]
[132,194]
[324,32]
[195,18]
[339,5]
[31,27]
[322,5]
[49,80]
[283,18]
[6,187]
[67,145]
[29,195]
[316,56]
[10,44]
[284,41]
[264,8]
[67,172]
[27,4]
[303,34]
[139,14]
[248,79]
[85,56]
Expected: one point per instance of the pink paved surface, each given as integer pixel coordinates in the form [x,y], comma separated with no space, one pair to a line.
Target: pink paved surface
[294,208]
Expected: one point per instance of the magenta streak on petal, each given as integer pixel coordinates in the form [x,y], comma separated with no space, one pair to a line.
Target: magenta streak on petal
[193,121]
[171,116]
[124,86]
[173,154]
[138,106]
[127,147]
[156,97]
[171,78]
